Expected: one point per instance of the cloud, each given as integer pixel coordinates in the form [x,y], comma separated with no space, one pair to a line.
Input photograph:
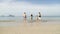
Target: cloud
[17,8]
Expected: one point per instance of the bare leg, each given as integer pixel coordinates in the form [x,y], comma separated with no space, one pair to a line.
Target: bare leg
[25,23]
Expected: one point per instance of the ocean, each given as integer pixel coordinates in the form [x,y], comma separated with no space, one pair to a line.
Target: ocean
[19,19]
[28,18]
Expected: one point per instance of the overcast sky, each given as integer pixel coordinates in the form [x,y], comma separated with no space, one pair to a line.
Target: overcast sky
[17,7]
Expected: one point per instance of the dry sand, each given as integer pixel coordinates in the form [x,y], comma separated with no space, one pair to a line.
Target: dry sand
[30,28]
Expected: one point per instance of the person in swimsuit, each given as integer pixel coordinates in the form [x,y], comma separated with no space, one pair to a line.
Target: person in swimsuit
[31,16]
[24,15]
[39,16]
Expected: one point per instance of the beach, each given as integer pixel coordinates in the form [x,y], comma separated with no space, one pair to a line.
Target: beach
[36,27]
[29,16]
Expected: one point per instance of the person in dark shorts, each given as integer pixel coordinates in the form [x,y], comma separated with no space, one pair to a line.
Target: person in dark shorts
[39,15]
[24,15]
[31,16]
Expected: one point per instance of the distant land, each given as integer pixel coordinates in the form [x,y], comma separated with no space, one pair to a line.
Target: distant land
[7,16]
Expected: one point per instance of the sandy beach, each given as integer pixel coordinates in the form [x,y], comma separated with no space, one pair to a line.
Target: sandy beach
[38,27]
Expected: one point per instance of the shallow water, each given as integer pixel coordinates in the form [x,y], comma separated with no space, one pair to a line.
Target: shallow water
[28,18]
[19,20]
[29,23]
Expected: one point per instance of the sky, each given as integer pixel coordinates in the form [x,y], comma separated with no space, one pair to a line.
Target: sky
[18,7]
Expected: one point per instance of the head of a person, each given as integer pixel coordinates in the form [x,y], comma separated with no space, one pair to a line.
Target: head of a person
[39,12]
[31,14]
[24,12]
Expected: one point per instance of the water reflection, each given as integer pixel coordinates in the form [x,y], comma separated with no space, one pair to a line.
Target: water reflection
[31,22]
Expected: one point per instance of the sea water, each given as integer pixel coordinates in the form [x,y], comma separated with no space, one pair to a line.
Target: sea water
[20,18]
[52,18]
[28,18]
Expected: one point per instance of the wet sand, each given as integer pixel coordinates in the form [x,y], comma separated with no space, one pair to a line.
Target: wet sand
[49,27]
